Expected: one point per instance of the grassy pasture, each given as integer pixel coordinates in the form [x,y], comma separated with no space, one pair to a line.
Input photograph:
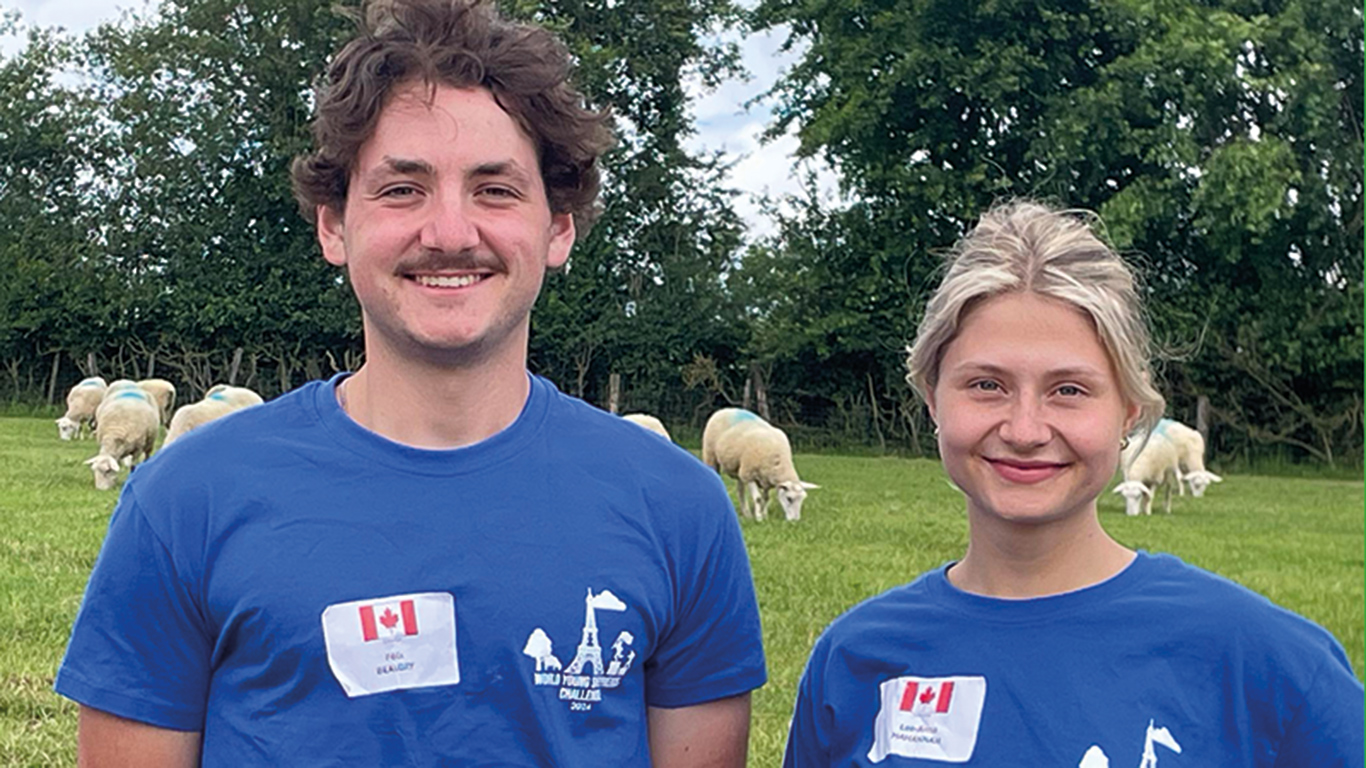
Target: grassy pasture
[875,523]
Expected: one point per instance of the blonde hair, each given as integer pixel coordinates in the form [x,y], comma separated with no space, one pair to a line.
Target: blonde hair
[1026,246]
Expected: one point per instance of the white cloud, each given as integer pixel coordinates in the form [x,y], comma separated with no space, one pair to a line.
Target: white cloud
[76,16]
[724,123]
[605,600]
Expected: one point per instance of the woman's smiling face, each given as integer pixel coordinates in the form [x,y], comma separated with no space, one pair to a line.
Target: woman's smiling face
[1030,411]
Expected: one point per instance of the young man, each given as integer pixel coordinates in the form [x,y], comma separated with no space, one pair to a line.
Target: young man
[439,559]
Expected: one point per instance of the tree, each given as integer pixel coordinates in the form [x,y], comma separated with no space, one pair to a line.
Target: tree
[1220,142]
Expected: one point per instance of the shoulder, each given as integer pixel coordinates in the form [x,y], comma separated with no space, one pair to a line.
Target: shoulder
[894,613]
[233,443]
[1242,622]
[594,438]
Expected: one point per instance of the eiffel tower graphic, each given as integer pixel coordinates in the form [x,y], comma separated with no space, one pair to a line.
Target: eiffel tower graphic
[589,651]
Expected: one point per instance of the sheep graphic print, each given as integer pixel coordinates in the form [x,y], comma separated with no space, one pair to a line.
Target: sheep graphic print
[583,681]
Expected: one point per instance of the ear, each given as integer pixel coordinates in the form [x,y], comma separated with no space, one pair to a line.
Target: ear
[1131,413]
[1216,478]
[809,486]
[91,461]
[332,235]
[561,239]
[930,406]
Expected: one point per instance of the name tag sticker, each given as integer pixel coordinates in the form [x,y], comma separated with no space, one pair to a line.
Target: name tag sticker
[931,718]
[392,643]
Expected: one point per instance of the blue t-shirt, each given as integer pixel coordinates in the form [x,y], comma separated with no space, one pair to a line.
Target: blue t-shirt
[1162,665]
[307,592]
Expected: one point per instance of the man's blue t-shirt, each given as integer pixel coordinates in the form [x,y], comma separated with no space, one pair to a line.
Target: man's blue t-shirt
[307,592]
[1162,665]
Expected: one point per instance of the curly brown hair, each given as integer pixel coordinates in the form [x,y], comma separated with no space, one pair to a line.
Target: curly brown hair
[462,44]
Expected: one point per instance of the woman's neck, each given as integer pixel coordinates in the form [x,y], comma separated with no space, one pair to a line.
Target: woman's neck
[1016,561]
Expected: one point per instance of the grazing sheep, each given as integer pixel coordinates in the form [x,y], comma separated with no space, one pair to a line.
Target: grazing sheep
[219,402]
[1190,450]
[649,422]
[81,403]
[163,392]
[240,397]
[1148,464]
[119,385]
[758,455]
[127,428]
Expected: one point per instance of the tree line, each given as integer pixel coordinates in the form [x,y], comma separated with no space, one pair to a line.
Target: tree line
[147,226]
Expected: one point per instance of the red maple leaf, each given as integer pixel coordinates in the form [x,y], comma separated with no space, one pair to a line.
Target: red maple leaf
[927,696]
[389,619]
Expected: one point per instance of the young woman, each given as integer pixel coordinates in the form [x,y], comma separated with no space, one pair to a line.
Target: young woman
[1050,644]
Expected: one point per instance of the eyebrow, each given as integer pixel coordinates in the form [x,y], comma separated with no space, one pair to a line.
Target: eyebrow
[509,168]
[398,166]
[1081,371]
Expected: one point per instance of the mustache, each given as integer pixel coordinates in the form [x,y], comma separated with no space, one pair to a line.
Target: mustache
[440,261]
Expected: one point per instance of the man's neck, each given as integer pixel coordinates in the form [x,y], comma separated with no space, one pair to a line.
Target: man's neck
[435,407]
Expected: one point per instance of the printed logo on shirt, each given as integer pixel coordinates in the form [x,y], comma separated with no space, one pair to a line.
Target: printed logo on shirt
[392,643]
[1095,757]
[581,684]
[931,718]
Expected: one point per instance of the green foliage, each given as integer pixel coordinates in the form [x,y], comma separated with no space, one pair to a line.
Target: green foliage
[1221,142]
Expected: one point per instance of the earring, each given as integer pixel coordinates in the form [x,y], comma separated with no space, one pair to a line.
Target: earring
[936,430]
[1124,443]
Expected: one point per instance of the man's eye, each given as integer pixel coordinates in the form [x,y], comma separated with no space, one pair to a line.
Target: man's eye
[401,191]
[986,385]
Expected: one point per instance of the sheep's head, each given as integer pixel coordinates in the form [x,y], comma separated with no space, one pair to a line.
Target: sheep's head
[66,428]
[106,468]
[791,494]
[1133,492]
[1200,480]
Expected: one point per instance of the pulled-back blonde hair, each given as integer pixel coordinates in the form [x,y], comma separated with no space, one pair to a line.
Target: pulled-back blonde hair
[1026,246]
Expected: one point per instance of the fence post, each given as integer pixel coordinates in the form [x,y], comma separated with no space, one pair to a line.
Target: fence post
[614,393]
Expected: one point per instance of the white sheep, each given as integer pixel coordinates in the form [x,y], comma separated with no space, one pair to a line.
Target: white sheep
[81,403]
[163,392]
[217,403]
[649,422]
[1148,464]
[1190,450]
[758,455]
[240,397]
[127,425]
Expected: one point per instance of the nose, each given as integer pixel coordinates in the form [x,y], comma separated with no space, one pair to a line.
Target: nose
[449,227]
[1025,425]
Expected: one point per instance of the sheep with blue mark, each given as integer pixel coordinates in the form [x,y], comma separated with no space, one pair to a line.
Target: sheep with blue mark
[127,425]
[758,455]
[81,403]
[220,401]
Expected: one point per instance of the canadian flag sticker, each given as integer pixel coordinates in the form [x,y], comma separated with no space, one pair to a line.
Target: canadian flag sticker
[392,643]
[931,718]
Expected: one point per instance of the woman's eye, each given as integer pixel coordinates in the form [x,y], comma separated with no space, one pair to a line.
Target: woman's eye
[986,385]
[1069,390]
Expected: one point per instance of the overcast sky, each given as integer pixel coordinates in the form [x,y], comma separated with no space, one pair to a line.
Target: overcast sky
[722,121]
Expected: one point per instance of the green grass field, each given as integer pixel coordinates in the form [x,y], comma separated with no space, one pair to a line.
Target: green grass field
[875,523]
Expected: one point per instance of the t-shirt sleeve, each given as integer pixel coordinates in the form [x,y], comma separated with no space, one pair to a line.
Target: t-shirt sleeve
[1327,728]
[139,648]
[807,737]
[713,647]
